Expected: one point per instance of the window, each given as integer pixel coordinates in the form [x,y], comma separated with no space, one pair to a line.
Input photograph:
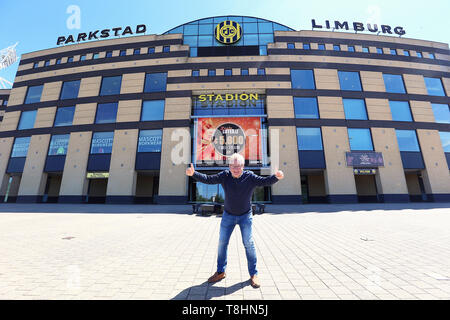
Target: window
[291,46]
[261,71]
[166,49]
[70,90]
[122,53]
[302,79]
[309,139]
[27,119]
[47,63]
[137,51]
[336,47]
[393,51]
[95,55]
[195,73]
[393,83]
[151,50]
[434,86]
[263,50]
[419,54]
[228,72]
[20,147]
[64,116]
[306,46]
[106,112]
[35,65]
[400,111]
[365,49]
[306,108]
[349,80]
[441,112]
[351,48]
[354,109]
[102,142]
[379,50]
[150,140]
[109,54]
[34,94]
[58,61]
[406,53]
[321,46]
[58,145]
[152,110]
[5,102]
[70,59]
[244,72]
[111,85]
[360,139]
[82,57]
[155,82]
[407,140]
[445,139]
[211,72]
[431,55]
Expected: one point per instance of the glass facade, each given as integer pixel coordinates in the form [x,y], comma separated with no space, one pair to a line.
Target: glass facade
[434,86]
[70,90]
[360,139]
[34,94]
[152,110]
[393,83]
[58,145]
[227,105]
[106,112]
[111,85]
[441,112]
[155,82]
[309,139]
[407,140]
[354,109]
[64,116]
[306,108]
[400,111]
[349,80]
[445,139]
[150,140]
[102,142]
[20,147]
[255,32]
[302,79]
[27,119]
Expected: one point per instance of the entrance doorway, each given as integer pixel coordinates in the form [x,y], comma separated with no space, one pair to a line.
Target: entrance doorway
[12,188]
[366,188]
[52,188]
[416,189]
[147,187]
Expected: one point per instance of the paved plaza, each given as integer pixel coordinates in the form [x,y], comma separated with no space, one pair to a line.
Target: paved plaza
[358,251]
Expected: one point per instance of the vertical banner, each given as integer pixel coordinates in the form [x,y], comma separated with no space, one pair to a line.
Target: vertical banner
[219,138]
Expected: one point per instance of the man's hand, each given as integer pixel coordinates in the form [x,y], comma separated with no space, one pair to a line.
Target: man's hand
[279,174]
[190,171]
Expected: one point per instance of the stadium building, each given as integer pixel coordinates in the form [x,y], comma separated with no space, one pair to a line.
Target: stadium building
[348,117]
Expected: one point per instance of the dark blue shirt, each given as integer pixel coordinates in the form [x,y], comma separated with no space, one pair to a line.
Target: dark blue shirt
[238,191]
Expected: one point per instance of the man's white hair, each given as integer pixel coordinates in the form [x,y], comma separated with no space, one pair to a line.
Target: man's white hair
[236,157]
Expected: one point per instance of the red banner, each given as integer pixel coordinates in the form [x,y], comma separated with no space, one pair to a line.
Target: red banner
[219,138]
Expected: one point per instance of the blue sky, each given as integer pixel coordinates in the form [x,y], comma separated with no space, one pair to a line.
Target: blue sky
[36,25]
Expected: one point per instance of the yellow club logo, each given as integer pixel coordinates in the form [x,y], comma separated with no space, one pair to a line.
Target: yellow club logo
[228,32]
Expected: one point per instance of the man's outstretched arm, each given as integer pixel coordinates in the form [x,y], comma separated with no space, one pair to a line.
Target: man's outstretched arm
[267,181]
[204,178]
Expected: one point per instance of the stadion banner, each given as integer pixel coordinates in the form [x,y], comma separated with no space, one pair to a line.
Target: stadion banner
[219,138]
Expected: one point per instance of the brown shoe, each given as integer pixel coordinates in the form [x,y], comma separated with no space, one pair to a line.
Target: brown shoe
[217,277]
[254,281]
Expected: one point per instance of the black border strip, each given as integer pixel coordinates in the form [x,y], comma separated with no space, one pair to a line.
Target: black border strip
[350,54]
[227,65]
[128,45]
[67,65]
[367,43]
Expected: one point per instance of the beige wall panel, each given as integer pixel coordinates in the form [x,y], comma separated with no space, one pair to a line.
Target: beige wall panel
[132,83]
[331,108]
[372,81]
[84,113]
[6,145]
[10,121]
[339,179]
[172,175]
[422,111]
[271,71]
[51,91]
[415,84]
[326,79]
[33,178]
[280,107]
[17,96]
[74,182]
[179,73]
[177,108]
[436,176]
[284,156]
[378,109]
[129,110]
[390,178]
[122,176]
[446,84]
[90,87]
[45,117]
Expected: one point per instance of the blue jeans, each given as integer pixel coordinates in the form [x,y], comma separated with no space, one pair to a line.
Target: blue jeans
[226,229]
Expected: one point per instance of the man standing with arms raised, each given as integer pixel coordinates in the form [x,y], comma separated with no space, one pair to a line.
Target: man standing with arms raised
[238,185]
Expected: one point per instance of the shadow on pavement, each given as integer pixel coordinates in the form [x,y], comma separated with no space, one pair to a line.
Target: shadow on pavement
[207,291]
